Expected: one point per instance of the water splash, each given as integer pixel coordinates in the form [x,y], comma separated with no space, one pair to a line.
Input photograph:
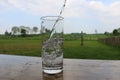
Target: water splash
[54,25]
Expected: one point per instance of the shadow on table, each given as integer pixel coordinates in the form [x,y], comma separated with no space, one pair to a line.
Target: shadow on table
[53,77]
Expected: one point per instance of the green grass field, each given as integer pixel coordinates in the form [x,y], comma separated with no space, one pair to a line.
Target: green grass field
[30,46]
[90,50]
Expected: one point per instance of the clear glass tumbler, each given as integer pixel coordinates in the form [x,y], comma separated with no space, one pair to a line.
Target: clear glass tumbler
[52,44]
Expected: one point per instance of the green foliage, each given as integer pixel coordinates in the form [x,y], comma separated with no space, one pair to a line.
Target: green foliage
[15,30]
[115,32]
[35,29]
[23,32]
[7,33]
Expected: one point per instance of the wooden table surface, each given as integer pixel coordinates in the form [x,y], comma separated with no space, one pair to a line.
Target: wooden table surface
[29,68]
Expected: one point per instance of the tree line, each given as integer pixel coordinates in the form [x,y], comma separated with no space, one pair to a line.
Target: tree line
[115,32]
[22,30]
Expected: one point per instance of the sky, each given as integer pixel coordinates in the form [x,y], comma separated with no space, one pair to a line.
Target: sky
[79,15]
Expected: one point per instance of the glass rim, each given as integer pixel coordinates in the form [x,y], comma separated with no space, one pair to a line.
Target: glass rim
[51,18]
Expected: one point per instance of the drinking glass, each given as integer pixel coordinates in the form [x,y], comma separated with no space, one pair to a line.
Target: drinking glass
[52,44]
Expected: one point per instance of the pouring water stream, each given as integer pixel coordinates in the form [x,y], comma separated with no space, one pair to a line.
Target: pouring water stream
[54,25]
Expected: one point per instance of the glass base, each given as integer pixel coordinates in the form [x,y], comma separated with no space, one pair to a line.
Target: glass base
[52,71]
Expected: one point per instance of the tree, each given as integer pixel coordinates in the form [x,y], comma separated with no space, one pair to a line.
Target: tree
[23,32]
[115,32]
[28,30]
[6,33]
[118,30]
[15,30]
[35,29]
[106,33]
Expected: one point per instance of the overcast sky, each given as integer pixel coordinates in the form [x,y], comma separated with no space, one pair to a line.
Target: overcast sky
[80,15]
